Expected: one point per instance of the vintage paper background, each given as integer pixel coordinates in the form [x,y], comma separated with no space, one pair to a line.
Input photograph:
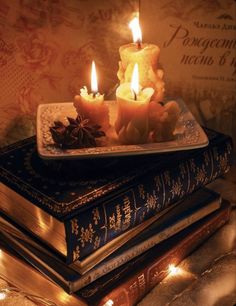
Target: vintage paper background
[46,49]
[198,54]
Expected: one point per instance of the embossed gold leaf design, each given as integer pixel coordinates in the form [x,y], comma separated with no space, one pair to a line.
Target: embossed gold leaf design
[176,189]
[76,253]
[151,201]
[224,163]
[97,242]
[74,226]
[86,235]
[96,215]
[201,175]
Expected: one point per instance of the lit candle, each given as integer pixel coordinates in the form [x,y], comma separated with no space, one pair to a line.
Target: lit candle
[91,106]
[147,56]
[133,106]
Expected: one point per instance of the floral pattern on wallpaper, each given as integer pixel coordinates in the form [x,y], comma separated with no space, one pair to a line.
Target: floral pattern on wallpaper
[46,49]
[35,52]
[29,97]
[187,10]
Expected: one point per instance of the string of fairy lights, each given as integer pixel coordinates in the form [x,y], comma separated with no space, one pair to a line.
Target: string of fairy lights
[171,271]
[11,292]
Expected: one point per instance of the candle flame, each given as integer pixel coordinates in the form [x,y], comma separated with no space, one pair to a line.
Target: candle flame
[136,30]
[135,80]
[94,81]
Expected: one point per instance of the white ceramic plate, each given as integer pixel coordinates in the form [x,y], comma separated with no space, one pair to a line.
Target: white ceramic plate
[188,135]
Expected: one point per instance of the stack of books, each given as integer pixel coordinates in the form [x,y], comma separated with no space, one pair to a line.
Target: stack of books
[106,231]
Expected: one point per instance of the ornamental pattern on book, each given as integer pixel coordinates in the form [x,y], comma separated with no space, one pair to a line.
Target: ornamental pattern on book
[94,228]
[41,182]
[134,287]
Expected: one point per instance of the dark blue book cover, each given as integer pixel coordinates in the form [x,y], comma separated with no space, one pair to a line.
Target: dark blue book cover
[124,285]
[99,200]
[200,203]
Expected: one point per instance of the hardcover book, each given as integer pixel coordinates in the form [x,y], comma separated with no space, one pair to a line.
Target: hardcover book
[151,271]
[84,265]
[197,206]
[125,285]
[76,207]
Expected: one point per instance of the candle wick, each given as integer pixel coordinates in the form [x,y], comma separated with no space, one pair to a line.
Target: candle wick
[94,94]
[139,44]
[135,96]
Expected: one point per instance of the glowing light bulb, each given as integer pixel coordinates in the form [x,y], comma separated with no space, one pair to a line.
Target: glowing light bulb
[3,295]
[173,270]
[94,81]
[109,303]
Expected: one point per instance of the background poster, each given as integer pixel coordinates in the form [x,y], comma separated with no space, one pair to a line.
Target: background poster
[198,54]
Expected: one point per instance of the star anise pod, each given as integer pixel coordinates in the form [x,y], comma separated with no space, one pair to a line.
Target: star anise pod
[78,134]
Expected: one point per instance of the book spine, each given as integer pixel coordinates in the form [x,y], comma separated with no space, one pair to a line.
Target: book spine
[97,226]
[135,287]
[143,246]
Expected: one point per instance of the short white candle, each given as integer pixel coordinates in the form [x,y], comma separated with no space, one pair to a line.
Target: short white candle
[91,105]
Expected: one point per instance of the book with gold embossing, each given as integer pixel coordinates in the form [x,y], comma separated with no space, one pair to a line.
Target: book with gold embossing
[125,285]
[76,207]
[197,206]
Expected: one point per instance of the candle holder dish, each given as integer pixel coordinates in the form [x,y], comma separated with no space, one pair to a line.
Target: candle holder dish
[187,135]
